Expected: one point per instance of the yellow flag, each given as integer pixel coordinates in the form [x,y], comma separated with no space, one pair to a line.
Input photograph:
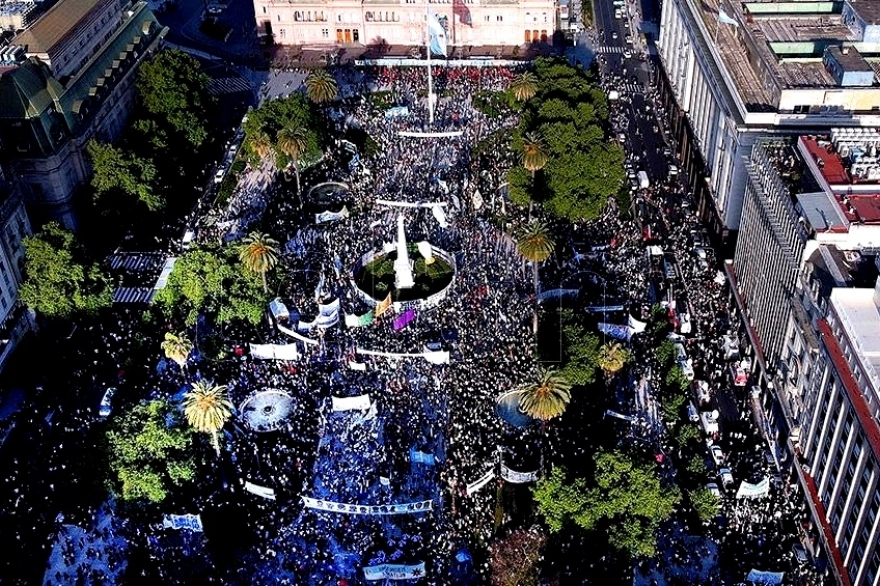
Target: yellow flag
[383,306]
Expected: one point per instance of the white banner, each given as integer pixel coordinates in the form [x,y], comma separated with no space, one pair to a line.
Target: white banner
[637,326]
[394,572]
[760,577]
[440,357]
[263,491]
[753,491]
[518,477]
[350,509]
[325,217]
[357,365]
[440,216]
[451,134]
[360,403]
[483,481]
[297,335]
[275,351]
[616,331]
[192,522]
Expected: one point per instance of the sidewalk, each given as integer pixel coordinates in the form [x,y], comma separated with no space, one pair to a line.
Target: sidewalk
[96,556]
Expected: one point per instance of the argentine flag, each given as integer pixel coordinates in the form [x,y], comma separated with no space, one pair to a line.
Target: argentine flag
[725,18]
[436,36]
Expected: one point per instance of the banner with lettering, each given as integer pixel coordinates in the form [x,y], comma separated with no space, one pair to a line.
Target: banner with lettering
[352,509]
[394,572]
[405,318]
[518,477]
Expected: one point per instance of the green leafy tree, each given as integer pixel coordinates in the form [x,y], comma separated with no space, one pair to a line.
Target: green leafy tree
[524,86]
[267,125]
[294,142]
[625,500]
[258,253]
[579,352]
[212,281]
[514,558]
[666,354]
[177,348]
[547,396]
[535,245]
[696,466]
[534,153]
[115,170]
[150,452]
[687,434]
[59,278]
[676,380]
[672,406]
[207,409]
[704,503]
[321,86]
[174,89]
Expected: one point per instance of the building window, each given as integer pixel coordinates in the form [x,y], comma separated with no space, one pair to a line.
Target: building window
[543,36]
[297,16]
[264,10]
[486,18]
[528,36]
[356,35]
[325,33]
[278,17]
[499,18]
[368,16]
[281,33]
[339,36]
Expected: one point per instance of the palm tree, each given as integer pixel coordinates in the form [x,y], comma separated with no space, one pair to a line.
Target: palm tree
[259,254]
[612,357]
[294,142]
[177,348]
[547,396]
[524,86]
[536,245]
[321,86]
[207,408]
[261,145]
[534,153]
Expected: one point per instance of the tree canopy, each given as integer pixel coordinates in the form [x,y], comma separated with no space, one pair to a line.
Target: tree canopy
[116,171]
[278,116]
[566,341]
[514,558]
[210,280]
[582,168]
[59,278]
[625,500]
[150,451]
[174,89]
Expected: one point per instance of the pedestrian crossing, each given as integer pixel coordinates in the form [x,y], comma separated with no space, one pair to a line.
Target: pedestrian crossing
[140,295]
[227,85]
[609,50]
[136,261]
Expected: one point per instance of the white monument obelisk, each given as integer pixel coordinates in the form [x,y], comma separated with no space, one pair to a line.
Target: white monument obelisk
[403,277]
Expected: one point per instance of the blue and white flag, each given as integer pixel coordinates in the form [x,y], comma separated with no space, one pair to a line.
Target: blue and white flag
[725,18]
[436,36]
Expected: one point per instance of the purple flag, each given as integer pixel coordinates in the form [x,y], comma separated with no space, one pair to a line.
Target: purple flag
[406,317]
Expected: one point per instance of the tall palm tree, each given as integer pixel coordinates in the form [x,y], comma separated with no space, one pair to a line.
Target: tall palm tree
[536,245]
[534,153]
[612,357]
[207,408]
[321,86]
[177,348]
[547,396]
[259,254]
[261,145]
[524,86]
[293,142]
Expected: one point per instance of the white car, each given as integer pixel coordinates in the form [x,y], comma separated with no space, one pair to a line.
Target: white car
[106,406]
[218,176]
[717,455]
[726,477]
[693,414]
[627,54]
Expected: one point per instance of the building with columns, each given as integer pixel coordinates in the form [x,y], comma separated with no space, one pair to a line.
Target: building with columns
[767,69]
[340,23]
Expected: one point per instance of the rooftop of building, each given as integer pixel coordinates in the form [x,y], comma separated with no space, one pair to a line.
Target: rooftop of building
[859,316]
[11,8]
[833,268]
[780,45]
[48,30]
[846,166]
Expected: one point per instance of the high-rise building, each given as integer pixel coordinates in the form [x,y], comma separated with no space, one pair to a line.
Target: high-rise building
[67,78]
[385,23]
[735,72]
[804,279]
[15,318]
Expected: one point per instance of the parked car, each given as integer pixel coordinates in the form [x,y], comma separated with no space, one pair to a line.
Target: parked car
[726,477]
[218,176]
[106,406]
[693,414]
[717,455]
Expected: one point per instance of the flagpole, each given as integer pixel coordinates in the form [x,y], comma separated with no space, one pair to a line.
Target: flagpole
[428,53]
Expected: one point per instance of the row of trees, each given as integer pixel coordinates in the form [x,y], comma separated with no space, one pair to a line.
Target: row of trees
[148,166]
[567,165]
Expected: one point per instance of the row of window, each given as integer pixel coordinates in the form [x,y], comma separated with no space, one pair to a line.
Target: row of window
[393,16]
